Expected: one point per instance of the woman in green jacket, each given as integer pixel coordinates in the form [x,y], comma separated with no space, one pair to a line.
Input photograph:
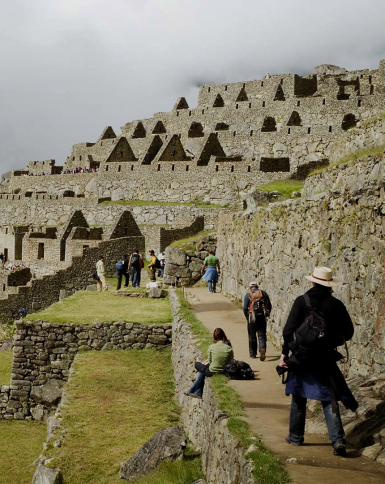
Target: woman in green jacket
[219,354]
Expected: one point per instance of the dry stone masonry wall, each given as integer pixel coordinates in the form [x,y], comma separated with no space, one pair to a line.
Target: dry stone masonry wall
[343,229]
[43,353]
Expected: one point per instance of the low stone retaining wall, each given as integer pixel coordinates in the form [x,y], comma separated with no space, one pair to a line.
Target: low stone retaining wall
[43,353]
[223,458]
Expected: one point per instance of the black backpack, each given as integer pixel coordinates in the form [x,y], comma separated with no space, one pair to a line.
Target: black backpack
[135,260]
[238,370]
[157,263]
[310,340]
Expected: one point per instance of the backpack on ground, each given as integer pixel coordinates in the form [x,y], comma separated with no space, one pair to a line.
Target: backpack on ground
[120,265]
[310,340]
[257,305]
[238,370]
[135,260]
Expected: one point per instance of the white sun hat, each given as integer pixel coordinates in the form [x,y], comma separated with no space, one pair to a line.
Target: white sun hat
[324,277]
[253,284]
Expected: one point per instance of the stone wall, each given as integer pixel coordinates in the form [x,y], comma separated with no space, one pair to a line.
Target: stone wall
[43,353]
[343,229]
[43,292]
[223,458]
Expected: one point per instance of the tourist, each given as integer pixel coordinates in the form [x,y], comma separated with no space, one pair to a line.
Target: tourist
[219,354]
[256,308]
[313,371]
[211,270]
[122,270]
[162,260]
[135,266]
[101,272]
[153,265]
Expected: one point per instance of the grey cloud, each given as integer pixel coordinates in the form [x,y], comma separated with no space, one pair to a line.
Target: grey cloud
[70,68]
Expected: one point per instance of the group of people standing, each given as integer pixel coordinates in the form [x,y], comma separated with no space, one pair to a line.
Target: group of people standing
[317,324]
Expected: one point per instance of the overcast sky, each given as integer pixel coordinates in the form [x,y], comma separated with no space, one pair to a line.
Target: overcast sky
[71,67]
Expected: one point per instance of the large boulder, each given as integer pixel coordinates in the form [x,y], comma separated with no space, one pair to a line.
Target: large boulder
[166,445]
[49,393]
[47,475]
[156,292]
[329,70]
[175,256]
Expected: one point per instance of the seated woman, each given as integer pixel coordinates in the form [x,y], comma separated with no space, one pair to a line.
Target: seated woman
[219,354]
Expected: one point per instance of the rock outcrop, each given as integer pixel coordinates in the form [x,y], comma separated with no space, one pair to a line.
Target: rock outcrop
[166,445]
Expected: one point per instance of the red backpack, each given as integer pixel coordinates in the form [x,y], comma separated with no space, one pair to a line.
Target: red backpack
[257,306]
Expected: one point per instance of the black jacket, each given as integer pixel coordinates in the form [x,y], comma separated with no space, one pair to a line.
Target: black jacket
[339,324]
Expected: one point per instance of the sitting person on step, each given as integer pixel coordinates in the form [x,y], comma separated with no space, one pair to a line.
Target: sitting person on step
[219,354]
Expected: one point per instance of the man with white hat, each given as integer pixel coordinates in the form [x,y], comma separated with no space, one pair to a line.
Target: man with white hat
[317,324]
[256,307]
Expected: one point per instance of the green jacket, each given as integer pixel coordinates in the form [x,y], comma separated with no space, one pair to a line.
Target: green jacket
[219,354]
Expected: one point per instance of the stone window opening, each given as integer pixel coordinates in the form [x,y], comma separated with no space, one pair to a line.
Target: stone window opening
[80,158]
[244,85]
[6,231]
[106,167]
[236,106]
[288,131]
[132,167]
[187,167]
[298,103]
[349,121]
[323,102]
[209,89]
[371,89]
[189,113]
[281,81]
[263,104]
[177,113]
[361,76]
[173,152]
[261,83]
[249,105]
[216,168]
[3,287]
[249,169]
[121,154]
[232,168]
[308,130]
[359,103]
[119,167]
[330,129]
[370,79]
[172,167]
[251,133]
[203,111]
[166,136]
[101,143]
[234,133]
[73,158]
[40,251]
[226,88]
[158,167]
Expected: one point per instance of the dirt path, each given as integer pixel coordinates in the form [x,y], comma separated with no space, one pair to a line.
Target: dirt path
[267,407]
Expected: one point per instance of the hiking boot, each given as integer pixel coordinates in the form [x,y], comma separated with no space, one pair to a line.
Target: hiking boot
[252,356]
[340,449]
[262,354]
[297,444]
[193,395]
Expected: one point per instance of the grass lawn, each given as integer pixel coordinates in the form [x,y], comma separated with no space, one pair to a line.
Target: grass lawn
[150,202]
[91,306]
[118,400]
[5,367]
[20,444]
[285,187]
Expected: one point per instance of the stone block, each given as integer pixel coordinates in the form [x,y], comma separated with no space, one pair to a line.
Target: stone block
[156,293]
[157,339]
[49,393]
[37,413]
[175,256]
[47,475]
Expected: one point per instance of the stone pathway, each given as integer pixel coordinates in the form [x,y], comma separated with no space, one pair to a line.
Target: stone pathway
[267,407]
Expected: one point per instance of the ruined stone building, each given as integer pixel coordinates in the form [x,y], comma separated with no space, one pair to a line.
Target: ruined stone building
[239,135]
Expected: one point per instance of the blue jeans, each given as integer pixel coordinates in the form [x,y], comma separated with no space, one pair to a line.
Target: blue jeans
[135,276]
[298,416]
[212,286]
[203,371]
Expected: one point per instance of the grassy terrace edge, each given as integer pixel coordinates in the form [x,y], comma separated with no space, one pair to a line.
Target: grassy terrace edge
[268,469]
